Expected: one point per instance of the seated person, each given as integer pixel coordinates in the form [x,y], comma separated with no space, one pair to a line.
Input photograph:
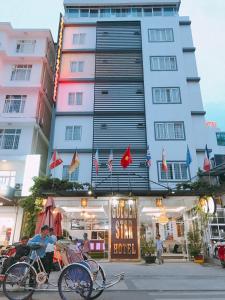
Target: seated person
[22,251]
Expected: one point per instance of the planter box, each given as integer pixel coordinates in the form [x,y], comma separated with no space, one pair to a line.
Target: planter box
[150,259]
[199,259]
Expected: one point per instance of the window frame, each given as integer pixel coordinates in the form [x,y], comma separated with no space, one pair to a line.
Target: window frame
[170,122]
[173,162]
[75,98]
[81,38]
[16,138]
[160,41]
[15,68]
[163,70]
[167,87]
[69,176]
[23,44]
[10,99]
[78,65]
[73,133]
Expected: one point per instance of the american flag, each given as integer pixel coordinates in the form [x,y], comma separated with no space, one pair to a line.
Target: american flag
[148,158]
[96,162]
[110,162]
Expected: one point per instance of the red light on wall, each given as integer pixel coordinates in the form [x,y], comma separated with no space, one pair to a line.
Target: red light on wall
[211,124]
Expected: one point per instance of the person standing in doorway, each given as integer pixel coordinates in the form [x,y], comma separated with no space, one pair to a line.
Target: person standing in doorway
[159,249]
[86,245]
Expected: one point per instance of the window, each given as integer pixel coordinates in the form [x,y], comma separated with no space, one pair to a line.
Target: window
[8,178]
[9,138]
[166,95]
[160,35]
[79,38]
[137,12]
[21,72]
[77,66]
[177,171]
[75,98]
[169,11]
[169,131]
[14,104]
[157,11]
[70,177]
[148,12]
[73,133]
[93,13]
[163,63]
[84,12]
[73,12]
[104,12]
[25,46]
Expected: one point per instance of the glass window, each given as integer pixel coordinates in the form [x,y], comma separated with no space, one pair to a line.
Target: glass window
[9,138]
[93,13]
[21,72]
[73,133]
[163,63]
[104,12]
[79,98]
[76,66]
[25,46]
[157,11]
[79,38]
[70,177]
[71,98]
[169,11]
[125,12]
[14,104]
[177,171]
[166,95]
[169,131]
[8,178]
[137,12]
[73,12]
[84,13]
[148,12]
[160,35]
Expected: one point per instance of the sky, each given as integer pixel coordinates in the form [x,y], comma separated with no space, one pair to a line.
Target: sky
[208,30]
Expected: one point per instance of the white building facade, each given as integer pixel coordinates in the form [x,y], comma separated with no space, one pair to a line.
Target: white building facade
[128,76]
[26,86]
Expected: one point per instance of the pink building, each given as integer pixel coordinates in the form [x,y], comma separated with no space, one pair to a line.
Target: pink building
[26,86]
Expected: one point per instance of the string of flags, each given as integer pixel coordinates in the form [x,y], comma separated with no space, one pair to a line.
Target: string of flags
[126,160]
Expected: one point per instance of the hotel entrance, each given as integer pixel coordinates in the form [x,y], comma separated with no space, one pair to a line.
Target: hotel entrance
[171,218]
[117,227]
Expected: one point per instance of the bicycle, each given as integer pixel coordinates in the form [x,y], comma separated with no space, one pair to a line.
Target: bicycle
[79,279]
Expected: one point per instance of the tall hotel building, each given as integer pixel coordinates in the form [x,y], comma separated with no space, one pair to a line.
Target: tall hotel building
[128,76]
[27,59]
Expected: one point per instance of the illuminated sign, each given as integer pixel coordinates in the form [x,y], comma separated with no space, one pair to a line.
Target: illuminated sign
[58,58]
[211,124]
[220,136]
[124,238]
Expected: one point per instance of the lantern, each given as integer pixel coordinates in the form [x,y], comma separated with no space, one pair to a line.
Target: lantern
[83,202]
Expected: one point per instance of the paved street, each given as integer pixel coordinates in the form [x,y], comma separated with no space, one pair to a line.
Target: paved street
[171,281]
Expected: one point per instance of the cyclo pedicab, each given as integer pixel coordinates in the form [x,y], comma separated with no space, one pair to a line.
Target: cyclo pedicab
[80,278]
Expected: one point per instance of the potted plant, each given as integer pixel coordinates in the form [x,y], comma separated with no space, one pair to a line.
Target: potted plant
[148,251]
[195,245]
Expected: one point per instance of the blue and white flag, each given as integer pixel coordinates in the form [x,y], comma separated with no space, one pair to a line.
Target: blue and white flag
[148,158]
[188,157]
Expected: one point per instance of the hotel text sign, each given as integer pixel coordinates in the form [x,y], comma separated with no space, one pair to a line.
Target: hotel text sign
[124,237]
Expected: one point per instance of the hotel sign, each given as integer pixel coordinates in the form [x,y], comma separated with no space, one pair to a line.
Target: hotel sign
[124,237]
[220,138]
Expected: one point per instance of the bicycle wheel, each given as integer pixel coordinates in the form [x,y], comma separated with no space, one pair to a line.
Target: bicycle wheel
[75,282]
[19,282]
[98,281]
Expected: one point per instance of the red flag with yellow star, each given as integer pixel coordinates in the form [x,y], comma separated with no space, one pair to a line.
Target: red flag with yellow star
[126,160]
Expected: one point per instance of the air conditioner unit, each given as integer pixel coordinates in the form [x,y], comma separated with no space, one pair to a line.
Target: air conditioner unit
[18,186]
